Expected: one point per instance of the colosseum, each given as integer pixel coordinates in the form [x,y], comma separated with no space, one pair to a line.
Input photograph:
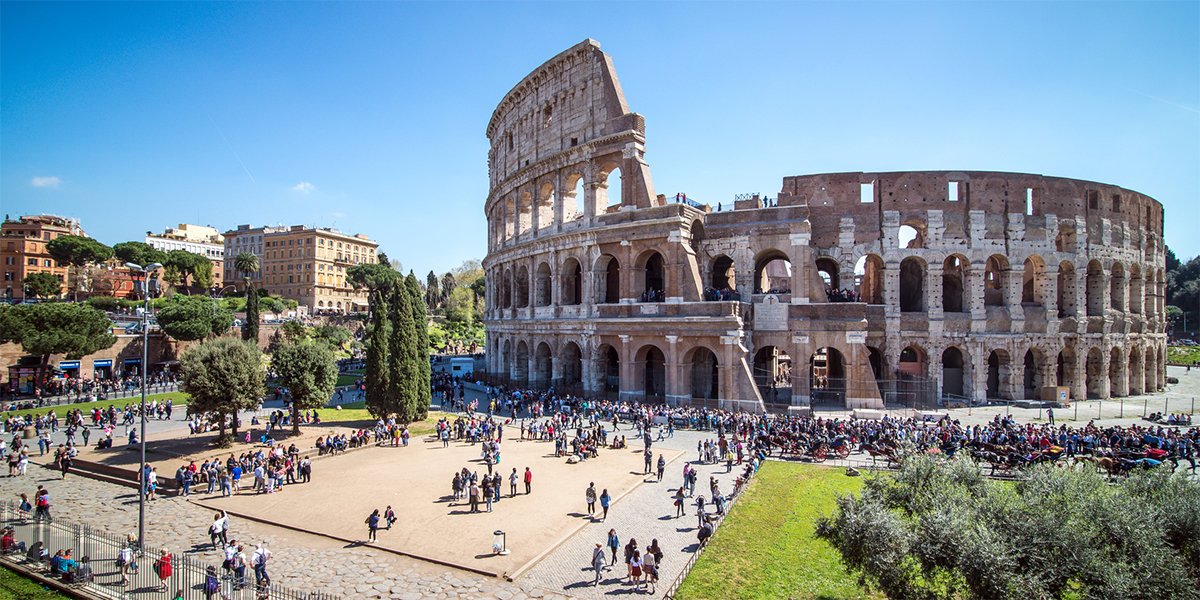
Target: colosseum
[845,289]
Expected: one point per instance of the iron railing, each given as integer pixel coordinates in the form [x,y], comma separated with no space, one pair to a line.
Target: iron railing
[72,398]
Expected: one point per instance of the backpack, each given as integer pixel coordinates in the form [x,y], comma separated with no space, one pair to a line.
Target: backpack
[211,585]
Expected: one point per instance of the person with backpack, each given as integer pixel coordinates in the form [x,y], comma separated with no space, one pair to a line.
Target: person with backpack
[41,504]
[260,558]
[212,584]
[162,568]
[372,525]
[125,560]
[389,517]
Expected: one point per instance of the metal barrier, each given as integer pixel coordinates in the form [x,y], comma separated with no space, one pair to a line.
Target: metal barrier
[37,540]
[72,399]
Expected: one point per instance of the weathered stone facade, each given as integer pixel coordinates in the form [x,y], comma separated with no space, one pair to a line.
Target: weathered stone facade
[957,284]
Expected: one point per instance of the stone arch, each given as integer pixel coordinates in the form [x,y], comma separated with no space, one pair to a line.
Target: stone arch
[995,280]
[1064,371]
[1136,289]
[608,369]
[652,267]
[1065,240]
[1116,372]
[1033,373]
[609,188]
[571,359]
[506,358]
[1096,374]
[911,234]
[1095,290]
[875,359]
[1116,294]
[724,274]
[1150,370]
[956,297]
[772,272]
[571,282]
[608,279]
[525,212]
[521,363]
[651,371]
[827,269]
[704,370]
[1033,281]
[954,380]
[522,287]
[544,208]
[696,236]
[772,369]
[1068,301]
[506,288]
[913,361]
[543,366]
[509,213]
[912,285]
[869,273]
[827,376]
[999,366]
[1136,372]
[573,198]
[543,287]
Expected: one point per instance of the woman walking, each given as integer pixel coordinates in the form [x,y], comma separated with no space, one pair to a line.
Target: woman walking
[162,568]
[613,544]
[372,525]
[650,569]
[590,497]
[389,517]
[635,569]
[605,500]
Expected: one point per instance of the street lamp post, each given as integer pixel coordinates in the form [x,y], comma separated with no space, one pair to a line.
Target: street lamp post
[145,271]
[217,294]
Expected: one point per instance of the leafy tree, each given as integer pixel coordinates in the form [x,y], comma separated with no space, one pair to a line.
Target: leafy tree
[43,285]
[104,303]
[192,269]
[460,307]
[193,317]
[78,251]
[247,264]
[250,328]
[403,354]
[938,529]
[379,280]
[424,393]
[432,291]
[138,253]
[44,329]
[448,285]
[1183,289]
[309,372]
[332,335]
[223,376]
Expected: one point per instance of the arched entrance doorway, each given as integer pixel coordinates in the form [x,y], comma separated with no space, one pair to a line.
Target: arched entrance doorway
[543,366]
[654,372]
[999,367]
[773,372]
[827,377]
[572,365]
[705,374]
[952,373]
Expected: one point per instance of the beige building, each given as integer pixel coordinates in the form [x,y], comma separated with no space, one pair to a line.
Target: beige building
[197,239]
[245,239]
[23,250]
[309,266]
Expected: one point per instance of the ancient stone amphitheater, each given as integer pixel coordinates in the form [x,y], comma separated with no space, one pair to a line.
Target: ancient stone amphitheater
[846,289]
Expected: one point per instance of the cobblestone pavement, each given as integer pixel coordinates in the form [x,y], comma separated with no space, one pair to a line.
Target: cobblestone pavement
[646,513]
[302,561]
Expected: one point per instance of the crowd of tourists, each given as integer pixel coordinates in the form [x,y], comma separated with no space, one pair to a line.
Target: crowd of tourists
[82,389]
[842,295]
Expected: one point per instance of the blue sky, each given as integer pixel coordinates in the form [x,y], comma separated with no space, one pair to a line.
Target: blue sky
[370,116]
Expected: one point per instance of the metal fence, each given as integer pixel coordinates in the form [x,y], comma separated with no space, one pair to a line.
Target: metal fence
[37,540]
[53,401]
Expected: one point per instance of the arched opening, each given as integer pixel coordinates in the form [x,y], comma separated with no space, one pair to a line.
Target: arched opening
[724,276]
[525,216]
[653,277]
[875,358]
[705,374]
[869,272]
[543,366]
[571,292]
[1136,290]
[1064,371]
[1068,303]
[510,218]
[995,280]
[610,369]
[1095,290]
[1150,371]
[573,198]
[827,268]
[609,291]
[910,237]
[913,362]
[521,363]
[912,285]
[608,194]
[1097,382]
[522,292]
[999,367]
[572,365]
[954,285]
[1117,291]
[1065,241]
[506,359]
[546,200]
[773,273]
[827,377]
[507,288]
[1136,370]
[772,370]
[1116,373]
[1033,282]
[543,288]
[697,236]
[952,373]
[654,371]
[1033,377]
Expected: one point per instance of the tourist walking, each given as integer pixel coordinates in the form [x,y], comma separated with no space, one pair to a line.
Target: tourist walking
[598,563]
[389,516]
[528,480]
[662,466]
[512,483]
[590,496]
[614,543]
[679,510]
[162,568]
[605,500]
[372,525]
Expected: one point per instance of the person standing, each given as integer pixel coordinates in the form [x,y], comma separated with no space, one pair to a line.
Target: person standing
[590,496]
[528,480]
[662,466]
[598,562]
[605,500]
[487,492]
[162,568]
[648,459]
[473,496]
[389,516]
[372,525]
[512,483]
[1050,415]
[679,503]
[614,543]
[259,559]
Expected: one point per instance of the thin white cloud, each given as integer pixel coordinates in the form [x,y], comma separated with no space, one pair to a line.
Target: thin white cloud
[45,182]
[304,187]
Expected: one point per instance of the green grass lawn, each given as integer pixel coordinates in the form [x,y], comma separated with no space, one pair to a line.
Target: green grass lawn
[1183,355]
[15,586]
[177,398]
[348,379]
[766,548]
[355,415]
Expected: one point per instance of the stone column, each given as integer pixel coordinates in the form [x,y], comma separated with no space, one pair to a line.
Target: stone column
[933,293]
[1012,298]
[589,202]
[676,391]
[629,389]
[559,202]
[975,297]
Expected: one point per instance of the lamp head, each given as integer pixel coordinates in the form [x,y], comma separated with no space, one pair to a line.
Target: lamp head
[153,267]
[134,266]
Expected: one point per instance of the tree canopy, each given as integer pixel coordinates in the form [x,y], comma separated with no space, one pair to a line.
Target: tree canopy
[223,376]
[43,285]
[309,372]
[1183,291]
[191,269]
[78,250]
[397,372]
[139,253]
[246,263]
[193,317]
[48,328]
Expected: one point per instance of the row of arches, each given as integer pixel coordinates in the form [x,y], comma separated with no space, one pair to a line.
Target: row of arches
[555,201]
[515,290]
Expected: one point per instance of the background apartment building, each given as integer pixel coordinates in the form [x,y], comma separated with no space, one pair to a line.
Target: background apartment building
[245,239]
[309,265]
[23,250]
[197,239]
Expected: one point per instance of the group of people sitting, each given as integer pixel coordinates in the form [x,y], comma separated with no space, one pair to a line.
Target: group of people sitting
[1184,420]
[842,295]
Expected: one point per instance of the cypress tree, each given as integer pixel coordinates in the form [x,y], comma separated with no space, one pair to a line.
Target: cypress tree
[379,330]
[250,328]
[421,327]
[402,362]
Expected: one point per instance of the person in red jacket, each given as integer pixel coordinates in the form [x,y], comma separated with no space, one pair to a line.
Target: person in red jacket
[162,568]
[528,480]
